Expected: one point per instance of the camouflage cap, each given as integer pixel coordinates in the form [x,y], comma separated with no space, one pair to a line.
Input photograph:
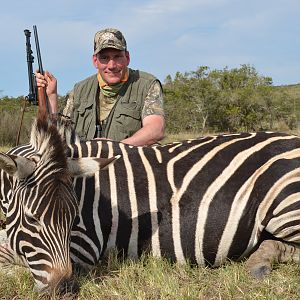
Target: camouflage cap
[109,38]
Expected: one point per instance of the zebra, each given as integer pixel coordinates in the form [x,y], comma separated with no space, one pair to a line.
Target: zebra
[200,201]
[40,204]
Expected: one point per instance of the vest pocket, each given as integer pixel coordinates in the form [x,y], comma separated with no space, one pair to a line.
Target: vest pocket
[128,120]
[83,121]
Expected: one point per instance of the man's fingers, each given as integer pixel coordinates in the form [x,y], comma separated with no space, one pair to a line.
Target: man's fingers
[51,77]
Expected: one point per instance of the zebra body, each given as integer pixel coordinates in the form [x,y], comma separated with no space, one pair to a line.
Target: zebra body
[201,201]
[140,205]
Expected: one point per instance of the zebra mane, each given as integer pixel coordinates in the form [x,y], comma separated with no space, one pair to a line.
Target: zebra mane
[48,141]
[66,130]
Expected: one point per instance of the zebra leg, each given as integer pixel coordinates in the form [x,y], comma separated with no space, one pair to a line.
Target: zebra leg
[3,236]
[8,257]
[270,252]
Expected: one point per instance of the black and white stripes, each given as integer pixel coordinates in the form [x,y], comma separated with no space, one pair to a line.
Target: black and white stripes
[199,201]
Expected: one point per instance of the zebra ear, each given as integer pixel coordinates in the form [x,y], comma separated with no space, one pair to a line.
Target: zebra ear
[16,166]
[88,166]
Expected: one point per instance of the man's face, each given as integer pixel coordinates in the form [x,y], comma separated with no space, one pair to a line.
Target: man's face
[112,64]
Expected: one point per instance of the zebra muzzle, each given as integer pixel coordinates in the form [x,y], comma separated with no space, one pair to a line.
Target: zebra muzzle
[68,287]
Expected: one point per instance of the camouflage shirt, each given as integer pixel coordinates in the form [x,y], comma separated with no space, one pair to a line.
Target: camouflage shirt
[153,104]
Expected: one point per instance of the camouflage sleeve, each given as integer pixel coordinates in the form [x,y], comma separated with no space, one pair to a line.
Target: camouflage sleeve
[153,104]
[68,110]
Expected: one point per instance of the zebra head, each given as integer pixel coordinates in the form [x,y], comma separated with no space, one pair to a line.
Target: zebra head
[42,206]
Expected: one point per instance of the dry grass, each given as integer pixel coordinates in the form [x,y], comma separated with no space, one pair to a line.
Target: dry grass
[169,138]
[151,278]
[5,148]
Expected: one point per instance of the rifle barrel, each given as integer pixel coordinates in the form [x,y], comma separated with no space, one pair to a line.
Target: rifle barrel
[38,52]
[41,93]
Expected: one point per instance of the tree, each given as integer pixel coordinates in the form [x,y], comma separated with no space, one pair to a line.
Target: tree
[225,100]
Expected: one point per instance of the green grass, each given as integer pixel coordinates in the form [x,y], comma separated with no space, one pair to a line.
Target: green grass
[152,278]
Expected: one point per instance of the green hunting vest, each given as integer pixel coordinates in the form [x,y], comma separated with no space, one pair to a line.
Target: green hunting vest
[125,117]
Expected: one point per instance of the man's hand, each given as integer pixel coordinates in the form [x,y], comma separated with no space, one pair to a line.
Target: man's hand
[50,83]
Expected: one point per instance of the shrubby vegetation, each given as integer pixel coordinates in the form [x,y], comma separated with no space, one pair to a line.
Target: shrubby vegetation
[11,116]
[227,101]
[198,102]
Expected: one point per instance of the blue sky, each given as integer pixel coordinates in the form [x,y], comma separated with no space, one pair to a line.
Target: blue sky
[163,37]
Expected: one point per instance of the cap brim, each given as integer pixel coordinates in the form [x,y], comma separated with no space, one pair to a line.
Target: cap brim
[107,47]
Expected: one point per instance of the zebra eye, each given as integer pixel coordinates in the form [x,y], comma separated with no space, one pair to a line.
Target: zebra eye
[36,158]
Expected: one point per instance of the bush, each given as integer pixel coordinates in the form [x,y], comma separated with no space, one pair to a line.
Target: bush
[11,113]
[227,101]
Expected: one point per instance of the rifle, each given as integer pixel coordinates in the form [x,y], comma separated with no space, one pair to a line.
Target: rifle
[31,97]
[36,96]
[41,92]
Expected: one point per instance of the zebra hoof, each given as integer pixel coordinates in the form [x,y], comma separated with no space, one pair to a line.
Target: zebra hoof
[260,272]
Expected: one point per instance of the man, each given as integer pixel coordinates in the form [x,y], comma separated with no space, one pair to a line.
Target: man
[118,103]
